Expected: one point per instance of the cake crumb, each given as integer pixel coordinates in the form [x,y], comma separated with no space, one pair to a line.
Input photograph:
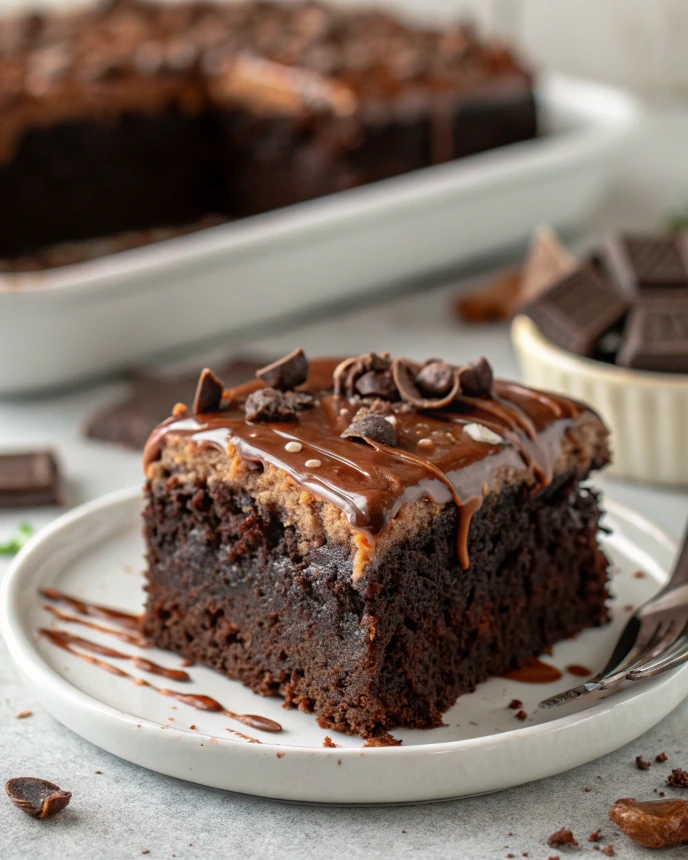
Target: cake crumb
[97,771]
[608,851]
[22,715]
[521,715]
[641,764]
[328,743]
[562,837]
[587,788]
[639,574]
[180,409]
[515,704]
[594,836]
[661,757]
[678,778]
[278,754]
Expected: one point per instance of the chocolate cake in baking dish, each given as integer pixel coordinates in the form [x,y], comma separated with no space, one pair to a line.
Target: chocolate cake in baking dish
[370,539]
[136,116]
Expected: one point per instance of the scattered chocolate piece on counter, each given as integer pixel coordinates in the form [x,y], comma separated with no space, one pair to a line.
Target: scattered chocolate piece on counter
[476,378]
[521,715]
[131,421]
[594,836]
[515,704]
[493,301]
[286,373]
[587,789]
[678,778]
[641,764]
[36,797]
[578,310]
[268,404]
[373,427]
[208,395]
[638,263]
[656,336]
[652,823]
[22,715]
[29,479]
[561,837]
[662,757]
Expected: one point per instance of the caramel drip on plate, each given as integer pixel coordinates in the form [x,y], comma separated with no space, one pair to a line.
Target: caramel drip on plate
[435,460]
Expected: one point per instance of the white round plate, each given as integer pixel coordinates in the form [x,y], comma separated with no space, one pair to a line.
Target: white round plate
[96,552]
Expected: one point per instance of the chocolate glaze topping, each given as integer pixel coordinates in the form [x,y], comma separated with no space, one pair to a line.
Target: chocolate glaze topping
[434,459]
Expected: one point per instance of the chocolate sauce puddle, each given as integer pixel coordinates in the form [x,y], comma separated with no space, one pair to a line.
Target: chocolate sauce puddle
[534,671]
[579,671]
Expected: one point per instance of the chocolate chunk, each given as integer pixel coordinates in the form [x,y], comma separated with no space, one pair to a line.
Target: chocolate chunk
[405,373]
[561,837]
[476,378]
[373,427]
[348,372]
[656,337]
[435,379]
[268,404]
[647,262]
[29,479]
[662,757]
[36,797]
[131,421]
[678,778]
[578,310]
[208,393]
[653,823]
[377,383]
[287,373]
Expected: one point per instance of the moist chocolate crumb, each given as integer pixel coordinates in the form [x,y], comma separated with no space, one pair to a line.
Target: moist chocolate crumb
[608,851]
[561,837]
[328,743]
[22,715]
[555,857]
[521,715]
[510,854]
[594,836]
[476,378]
[587,789]
[662,794]
[146,851]
[641,764]
[678,778]
[662,757]
[372,427]
[208,393]
[36,797]
[97,771]
[435,379]
[268,404]
[286,373]
[515,704]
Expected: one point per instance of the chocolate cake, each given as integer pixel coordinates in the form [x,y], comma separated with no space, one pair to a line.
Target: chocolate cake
[136,116]
[370,539]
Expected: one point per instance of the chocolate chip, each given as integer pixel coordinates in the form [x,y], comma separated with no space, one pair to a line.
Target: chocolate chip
[372,427]
[208,393]
[287,373]
[435,379]
[268,404]
[476,378]
[376,383]
[405,373]
[36,797]
[349,371]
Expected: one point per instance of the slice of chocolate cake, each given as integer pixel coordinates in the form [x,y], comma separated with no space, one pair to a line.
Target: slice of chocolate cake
[370,539]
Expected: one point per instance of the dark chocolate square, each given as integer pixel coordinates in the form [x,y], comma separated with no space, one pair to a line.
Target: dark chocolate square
[29,479]
[656,337]
[638,263]
[578,310]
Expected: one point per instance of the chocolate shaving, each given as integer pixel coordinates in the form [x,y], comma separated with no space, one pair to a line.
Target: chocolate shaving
[350,371]
[653,823]
[36,797]
[405,373]
[436,379]
[268,404]
[287,373]
[374,428]
[208,393]
[476,378]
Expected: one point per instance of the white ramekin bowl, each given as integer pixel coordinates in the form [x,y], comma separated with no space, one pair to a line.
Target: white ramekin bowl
[646,412]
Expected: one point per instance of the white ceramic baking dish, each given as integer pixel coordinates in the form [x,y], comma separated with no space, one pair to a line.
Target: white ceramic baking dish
[67,324]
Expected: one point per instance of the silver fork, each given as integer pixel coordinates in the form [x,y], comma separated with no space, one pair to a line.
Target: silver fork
[654,640]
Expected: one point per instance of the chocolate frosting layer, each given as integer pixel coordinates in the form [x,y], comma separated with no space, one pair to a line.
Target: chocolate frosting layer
[442,455]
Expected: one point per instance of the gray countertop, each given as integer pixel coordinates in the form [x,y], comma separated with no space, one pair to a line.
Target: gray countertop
[126,810]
